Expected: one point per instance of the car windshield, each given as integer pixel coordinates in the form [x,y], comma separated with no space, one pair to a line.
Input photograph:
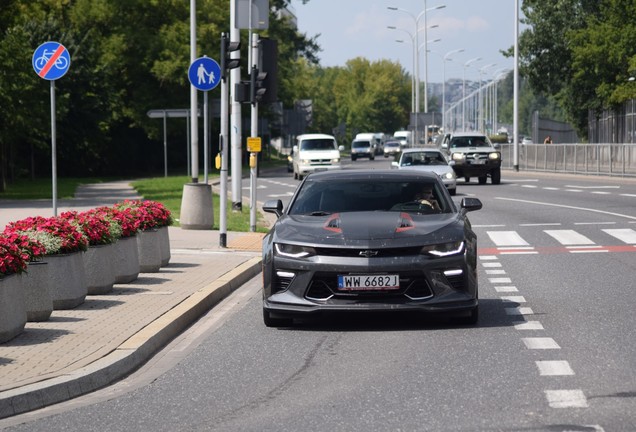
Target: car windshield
[469,141]
[320,198]
[361,144]
[422,159]
[318,144]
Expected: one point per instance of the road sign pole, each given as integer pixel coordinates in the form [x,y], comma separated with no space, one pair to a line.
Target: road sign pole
[53,150]
[206,157]
[165,146]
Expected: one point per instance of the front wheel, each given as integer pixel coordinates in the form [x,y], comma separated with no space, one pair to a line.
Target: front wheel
[495,176]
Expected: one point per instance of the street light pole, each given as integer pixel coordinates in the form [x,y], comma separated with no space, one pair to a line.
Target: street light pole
[412,72]
[480,117]
[446,57]
[464,91]
[426,54]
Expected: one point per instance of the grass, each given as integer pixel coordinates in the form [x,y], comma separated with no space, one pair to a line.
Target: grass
[166,190]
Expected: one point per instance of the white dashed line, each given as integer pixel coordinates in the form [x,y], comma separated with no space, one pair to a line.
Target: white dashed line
[492,264]
[566,399]
[519,311]
[540,343]
[509,288]
[554,368]
[515,299]
[499,280]
[528,325]
[495,272]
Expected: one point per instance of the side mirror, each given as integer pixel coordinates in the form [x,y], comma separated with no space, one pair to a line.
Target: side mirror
[295,148]
[471,204]
[444,146]
[341,148]
[395,164]
[273,206]
[497,146]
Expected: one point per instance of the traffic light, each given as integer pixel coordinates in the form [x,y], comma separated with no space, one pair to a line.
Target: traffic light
[257,89]
[227,48]
[269,65]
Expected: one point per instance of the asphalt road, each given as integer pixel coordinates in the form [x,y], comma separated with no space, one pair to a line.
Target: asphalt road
[553,351]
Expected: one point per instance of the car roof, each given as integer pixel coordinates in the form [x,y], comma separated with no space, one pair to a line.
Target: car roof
[464,134]
[314,136]
[420,150]
[361,174]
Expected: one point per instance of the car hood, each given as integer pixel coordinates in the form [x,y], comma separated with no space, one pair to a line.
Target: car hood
[437,169]
[371,229]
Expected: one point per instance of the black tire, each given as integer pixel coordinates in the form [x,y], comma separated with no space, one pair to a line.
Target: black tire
[276,322]
[467,179]
[353,158]
[372,158]
[295,175]
[495,176]
[453,191]
[483,179]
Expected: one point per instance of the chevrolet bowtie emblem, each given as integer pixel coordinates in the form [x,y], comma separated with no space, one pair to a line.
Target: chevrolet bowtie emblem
[368,253]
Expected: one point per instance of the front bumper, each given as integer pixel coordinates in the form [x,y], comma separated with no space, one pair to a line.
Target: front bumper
[298,288]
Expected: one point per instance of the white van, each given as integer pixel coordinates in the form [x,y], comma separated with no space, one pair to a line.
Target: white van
[376,139]
[315,152]
[404,137]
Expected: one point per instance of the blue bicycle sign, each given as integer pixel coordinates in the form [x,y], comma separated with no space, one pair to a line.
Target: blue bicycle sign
[51,60]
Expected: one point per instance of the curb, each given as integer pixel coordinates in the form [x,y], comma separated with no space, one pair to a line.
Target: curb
[132,353]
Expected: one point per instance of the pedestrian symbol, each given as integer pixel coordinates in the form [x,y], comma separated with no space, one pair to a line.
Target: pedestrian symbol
[51,60]
[204,73]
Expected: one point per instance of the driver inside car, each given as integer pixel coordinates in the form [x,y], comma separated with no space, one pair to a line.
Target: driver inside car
[425,197]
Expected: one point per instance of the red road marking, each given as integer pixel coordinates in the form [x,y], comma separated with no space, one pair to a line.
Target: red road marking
[47,67]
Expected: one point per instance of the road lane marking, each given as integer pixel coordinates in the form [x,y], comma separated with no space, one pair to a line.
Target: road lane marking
[514,299]
[540,343]
[506,289]
[569,237]
[519,311]
[554,368]
[528,325]
[627,235]
[566,399]
[569,207]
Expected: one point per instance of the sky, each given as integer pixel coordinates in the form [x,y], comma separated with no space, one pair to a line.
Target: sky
[358,28]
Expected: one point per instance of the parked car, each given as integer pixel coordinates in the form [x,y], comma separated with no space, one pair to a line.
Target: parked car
[472,154]
[370,240]
[362,148]
[392,148]
[315,152]
[431,160]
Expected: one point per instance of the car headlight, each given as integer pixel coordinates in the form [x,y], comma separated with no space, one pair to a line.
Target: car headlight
[449,175]
[336,160]
[444,249]
[293,251]
[494,156]
[305,161]
[289,158]
[458,156]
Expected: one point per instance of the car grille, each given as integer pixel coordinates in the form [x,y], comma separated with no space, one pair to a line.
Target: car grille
[476,156]
[320,162]
[457,282]
[389,252]
[324,287]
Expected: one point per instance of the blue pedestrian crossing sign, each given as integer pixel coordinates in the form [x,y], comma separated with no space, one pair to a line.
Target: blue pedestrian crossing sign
[204,73]
[51,60]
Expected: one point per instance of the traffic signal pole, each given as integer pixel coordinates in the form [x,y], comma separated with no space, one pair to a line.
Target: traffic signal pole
[235,116]
[253,132]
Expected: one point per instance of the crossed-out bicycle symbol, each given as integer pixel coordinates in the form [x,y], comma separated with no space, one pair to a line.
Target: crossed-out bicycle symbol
[61,62]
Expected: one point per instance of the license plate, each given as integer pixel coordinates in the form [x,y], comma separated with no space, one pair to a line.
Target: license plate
[368,282]
[479,161]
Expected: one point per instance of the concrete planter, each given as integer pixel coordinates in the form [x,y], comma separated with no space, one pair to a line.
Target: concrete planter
[68,280]
[149,248]
[37,295]
[12,309]
[165,245]
[98,265]
[126,258]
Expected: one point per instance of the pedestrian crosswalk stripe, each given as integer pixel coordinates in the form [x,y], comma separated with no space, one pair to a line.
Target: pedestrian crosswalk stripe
[569,237]
[627,235]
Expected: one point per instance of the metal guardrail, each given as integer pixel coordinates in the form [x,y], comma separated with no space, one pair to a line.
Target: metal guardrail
[593,159]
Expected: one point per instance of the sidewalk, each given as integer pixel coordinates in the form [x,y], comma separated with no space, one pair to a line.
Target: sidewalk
[83,349]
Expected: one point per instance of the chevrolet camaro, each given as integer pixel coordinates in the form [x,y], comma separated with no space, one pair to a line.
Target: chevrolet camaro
[370,240]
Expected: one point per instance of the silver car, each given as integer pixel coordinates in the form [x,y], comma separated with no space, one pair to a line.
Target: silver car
[427,159]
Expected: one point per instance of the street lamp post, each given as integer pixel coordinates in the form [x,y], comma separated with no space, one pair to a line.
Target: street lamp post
[468,63]
[416,20]
[481,115]
[414,82]
[426,54]
[446,58]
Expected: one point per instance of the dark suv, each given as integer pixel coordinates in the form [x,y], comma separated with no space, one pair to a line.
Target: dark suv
[472,154]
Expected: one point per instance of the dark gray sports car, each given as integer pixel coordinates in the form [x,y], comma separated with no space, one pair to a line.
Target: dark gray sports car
[370,240]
